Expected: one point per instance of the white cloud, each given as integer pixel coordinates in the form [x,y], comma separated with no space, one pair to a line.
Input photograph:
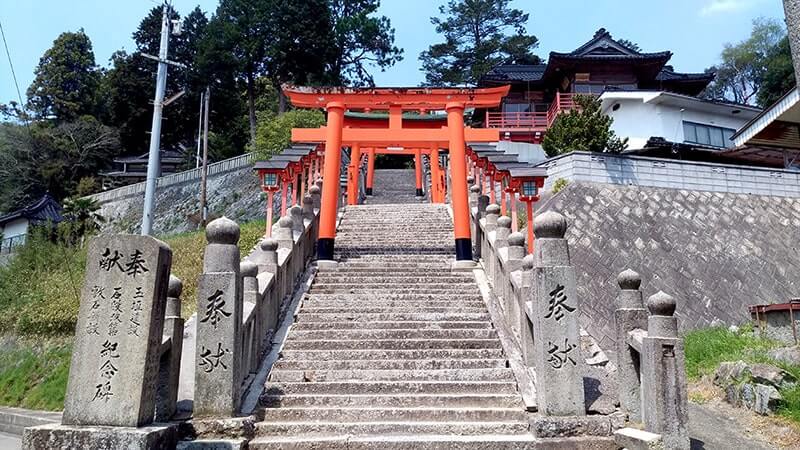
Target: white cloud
[726,6]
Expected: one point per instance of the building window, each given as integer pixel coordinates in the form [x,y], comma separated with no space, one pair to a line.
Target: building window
[697,133]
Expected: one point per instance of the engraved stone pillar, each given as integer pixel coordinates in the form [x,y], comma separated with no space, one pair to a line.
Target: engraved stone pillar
[629,315]
[219,318]
[558,359]
[170,367]
[492,213]
[664,390]
[316,196]
[118,336]
[502,232]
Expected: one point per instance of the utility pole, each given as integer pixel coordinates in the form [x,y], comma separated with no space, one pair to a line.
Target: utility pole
[204,172]
[791,9]
[199,131]
[154,160]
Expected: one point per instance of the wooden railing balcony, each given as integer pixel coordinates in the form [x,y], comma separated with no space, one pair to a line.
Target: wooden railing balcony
[537,121]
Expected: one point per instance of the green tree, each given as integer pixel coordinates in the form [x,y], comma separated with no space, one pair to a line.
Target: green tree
[82,219]
[66,80]
[275,131]
[360,40]
[584,128]
[779,75]
[479,34]
[743,66]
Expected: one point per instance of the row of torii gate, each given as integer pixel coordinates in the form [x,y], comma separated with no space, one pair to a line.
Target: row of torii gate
[407,129]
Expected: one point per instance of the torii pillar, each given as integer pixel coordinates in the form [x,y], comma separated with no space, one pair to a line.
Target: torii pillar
[330,181]
[458,179]
[418,171]
[352,174]
[370,171]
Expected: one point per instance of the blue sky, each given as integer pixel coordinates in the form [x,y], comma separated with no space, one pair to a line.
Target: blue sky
[694,30]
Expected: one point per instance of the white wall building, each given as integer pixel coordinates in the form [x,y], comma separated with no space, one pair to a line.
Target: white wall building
[641,115]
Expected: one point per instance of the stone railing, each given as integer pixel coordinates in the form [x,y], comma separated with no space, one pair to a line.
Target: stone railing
[239,304]
[169,367]
[536,302]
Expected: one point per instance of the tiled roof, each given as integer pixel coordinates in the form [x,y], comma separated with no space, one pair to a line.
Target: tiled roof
[667,74]
[516,72]
[43,210]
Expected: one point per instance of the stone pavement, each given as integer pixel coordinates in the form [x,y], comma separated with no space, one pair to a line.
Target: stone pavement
[10,441]
[715,253]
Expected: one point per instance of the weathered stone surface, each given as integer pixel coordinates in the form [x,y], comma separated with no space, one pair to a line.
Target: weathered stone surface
[66,437]
[633,439]
[766,399]
[600,390]
[118,334]
[213,444]
[731,372]
[771,375]
[570,426]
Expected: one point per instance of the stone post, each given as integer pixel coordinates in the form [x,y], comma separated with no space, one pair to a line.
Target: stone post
[219,320]
[483,203]
[474,192]
[170,368]
[526,336]
[503,230]
[284,232]
[252,298]
[664,390]
[308,208]
[316,196]
[558,359]
[268,259]
[516,251]
[296,213]
[629,315]
[492,213]
[271,305]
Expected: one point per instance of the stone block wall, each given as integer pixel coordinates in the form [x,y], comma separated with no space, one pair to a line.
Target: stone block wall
[716,253]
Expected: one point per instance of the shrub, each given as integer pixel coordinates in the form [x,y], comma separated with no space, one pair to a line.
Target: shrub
[559,185]
[584,128]
[274,133]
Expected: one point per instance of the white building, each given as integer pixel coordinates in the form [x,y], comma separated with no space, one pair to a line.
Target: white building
[644,115]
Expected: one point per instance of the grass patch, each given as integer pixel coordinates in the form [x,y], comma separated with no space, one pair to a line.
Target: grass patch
[34,374]
[707,348]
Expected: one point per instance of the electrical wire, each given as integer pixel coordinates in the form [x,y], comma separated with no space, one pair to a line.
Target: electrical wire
[13,73]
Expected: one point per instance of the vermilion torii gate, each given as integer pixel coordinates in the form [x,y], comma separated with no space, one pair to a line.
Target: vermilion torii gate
[395,100]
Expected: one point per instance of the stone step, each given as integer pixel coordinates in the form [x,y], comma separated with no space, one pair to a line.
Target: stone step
[392,387]
[390,344]
[398,364]
[369,302]
[503,374]
[388,290]
[376,309]
[342,355]
[393,317]
[469,333]
[394,401]
[520,441]
[307,429]
[384,325]
[329,277]
[355,415]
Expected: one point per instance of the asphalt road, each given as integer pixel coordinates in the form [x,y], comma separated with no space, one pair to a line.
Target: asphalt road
[10,442]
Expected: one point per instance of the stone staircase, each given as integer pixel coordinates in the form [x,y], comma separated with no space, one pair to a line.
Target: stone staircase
[390,349]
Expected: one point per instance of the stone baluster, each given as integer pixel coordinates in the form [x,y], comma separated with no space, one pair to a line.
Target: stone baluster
[219,313]
[284,233]
[503,230]
[269,311]
[316,195]
[296,213]
[629,315]
[170,366]
[480,236]
[664,390]
[558,357]
[474,193]
[483,203]
[516,252]
[308,208]
[252,299]
[526,337]
[492,213]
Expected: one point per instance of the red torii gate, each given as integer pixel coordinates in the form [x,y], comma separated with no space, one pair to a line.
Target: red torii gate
[395,100]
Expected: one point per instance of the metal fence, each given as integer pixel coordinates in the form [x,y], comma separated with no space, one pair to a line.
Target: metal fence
[227,165]
[9,245]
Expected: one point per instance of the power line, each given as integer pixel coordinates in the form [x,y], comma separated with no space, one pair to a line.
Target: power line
[13,74]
